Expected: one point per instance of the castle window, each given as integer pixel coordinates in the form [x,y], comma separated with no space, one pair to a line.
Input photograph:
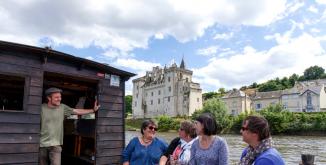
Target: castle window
[151,102]
[169,99]
[135,103]
[285,105]
[169,89]
[159,92]
[258,106]
[169,79]
[234,112]
[158,101]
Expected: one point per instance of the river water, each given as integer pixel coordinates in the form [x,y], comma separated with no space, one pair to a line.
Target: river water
[291,147]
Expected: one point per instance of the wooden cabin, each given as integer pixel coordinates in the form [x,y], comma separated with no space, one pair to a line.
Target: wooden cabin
[26,72]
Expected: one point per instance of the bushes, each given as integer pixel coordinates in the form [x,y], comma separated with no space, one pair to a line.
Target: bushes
[166,123]
[280,120]
[216,107]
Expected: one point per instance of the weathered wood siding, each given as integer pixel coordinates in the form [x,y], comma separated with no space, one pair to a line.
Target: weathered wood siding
[110,124]
[19,131]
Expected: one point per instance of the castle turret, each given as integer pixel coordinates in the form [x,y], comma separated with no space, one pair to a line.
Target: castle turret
[182,65]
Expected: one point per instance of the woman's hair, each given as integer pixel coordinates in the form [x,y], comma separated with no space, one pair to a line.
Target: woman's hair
[258,125]
[145,124]
[189,128]
[209,123]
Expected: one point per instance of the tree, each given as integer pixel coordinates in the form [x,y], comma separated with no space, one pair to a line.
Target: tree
[270,85]
[243,88]
[254,85]
[209,95]
[293,78]
[313,72]
[217,107]
[285,83]
[128,102]
[222,91]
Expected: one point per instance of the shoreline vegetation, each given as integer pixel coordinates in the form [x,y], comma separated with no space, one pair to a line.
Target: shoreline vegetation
[282,122]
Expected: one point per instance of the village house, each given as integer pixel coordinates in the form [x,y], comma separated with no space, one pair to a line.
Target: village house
[305,96]
[262,100]
[166,91]
[237,102]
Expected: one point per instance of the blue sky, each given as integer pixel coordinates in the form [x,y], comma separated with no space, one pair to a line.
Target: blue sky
[227,43]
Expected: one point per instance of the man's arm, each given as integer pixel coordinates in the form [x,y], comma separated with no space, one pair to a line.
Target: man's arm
[86,111]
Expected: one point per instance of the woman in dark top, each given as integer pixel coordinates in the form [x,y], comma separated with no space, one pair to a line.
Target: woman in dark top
[146,149]
[179,148]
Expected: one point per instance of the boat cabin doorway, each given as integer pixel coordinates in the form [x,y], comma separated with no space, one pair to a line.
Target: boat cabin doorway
[79,131]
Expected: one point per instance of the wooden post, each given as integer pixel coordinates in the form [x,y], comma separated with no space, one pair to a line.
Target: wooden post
[307,159]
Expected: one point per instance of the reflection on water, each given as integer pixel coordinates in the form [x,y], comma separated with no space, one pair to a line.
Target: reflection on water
[291,147]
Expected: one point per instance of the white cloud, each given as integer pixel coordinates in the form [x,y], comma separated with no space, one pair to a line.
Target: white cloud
[210,51]
[285,38]
[313,9]
[257,66]
[295,6]
[116,53]
[290,8]
[323,2]
[137,65]
[314,30]
[126,24]
[159,36]
[223,36]
[90,58]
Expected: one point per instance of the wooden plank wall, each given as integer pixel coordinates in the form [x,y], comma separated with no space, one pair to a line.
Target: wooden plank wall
[110,119]
[19,131]
[110,124]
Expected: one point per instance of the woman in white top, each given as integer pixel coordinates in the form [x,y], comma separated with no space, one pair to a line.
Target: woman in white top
[179,149]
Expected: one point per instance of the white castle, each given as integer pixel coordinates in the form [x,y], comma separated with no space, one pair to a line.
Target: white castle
[166,91]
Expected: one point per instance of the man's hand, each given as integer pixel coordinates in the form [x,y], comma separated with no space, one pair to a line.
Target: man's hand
[96,107]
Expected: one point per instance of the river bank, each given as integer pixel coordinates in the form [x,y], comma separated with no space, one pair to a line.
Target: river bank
[281,122]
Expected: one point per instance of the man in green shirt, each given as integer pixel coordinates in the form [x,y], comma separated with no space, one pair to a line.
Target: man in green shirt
[52,116]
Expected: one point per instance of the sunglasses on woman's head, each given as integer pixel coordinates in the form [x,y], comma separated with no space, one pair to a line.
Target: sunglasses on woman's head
[152,128]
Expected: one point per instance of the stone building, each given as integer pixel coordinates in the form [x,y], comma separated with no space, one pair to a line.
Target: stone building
[262,100]
[166,91]
[305,96]
[237,102]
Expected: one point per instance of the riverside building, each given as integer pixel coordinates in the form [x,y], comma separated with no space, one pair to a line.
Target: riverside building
[166,91]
